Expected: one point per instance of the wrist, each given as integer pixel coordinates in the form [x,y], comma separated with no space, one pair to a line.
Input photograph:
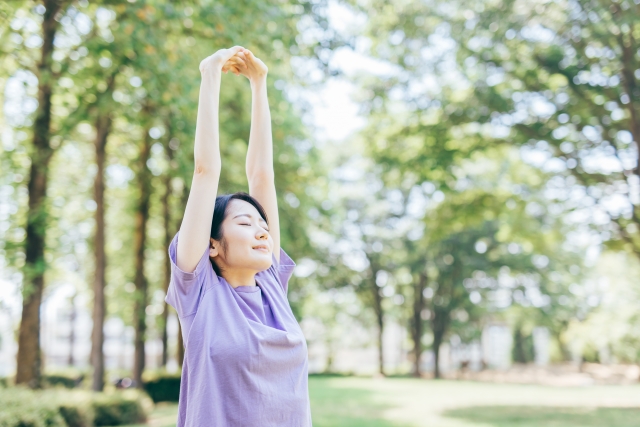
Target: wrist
[258,81]
[211,72]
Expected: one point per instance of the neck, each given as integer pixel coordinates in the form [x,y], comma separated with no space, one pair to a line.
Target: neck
[239,277]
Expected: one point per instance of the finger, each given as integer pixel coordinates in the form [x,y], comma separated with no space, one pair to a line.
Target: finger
[232,51]
[228,66]
[235,61]
[239,63]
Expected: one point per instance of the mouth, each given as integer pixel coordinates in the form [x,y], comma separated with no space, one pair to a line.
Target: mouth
[262,248]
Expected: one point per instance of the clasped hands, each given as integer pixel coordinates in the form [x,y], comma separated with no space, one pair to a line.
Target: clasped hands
[238,60]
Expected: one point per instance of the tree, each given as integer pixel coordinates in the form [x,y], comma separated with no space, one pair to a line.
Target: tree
[558,79]
[417,318]
[118,63]
[28,371]
[427,126]
[103,127]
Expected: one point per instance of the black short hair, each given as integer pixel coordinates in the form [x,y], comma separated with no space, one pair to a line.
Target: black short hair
[220,213]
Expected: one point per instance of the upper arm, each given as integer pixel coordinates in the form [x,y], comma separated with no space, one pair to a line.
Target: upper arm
[282,269]
[187,288]
[195,229]
[262,187]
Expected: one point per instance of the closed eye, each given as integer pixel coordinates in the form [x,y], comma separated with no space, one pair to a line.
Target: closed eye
[244,223]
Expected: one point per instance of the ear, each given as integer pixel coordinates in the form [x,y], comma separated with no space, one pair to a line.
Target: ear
[214,248]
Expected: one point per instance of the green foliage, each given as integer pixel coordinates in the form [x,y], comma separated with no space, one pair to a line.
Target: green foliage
[22,407]
[137,64]
[522,351]
[163,388]
[611,332]
[579,60]
[455,116]
[119,409]
[66,381]
[59,408]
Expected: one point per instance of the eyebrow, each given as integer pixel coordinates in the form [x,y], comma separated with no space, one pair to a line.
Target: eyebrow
[249,215]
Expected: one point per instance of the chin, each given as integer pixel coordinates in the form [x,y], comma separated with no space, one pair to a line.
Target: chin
[263,260]
[263,266]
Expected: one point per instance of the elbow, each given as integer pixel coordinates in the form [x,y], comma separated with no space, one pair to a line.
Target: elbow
[206,169]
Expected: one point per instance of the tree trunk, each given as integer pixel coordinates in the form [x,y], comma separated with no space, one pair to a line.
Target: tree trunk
[439,323]
[519,355]
[139,242]
[564,351]
[328,368]
[72,330]
[167,266]
[180,347]
[103,127]
[417,323]
[28,358]
[377,307]
[168,235]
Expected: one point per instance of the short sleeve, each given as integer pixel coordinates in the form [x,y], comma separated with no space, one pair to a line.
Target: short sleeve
[186,289]
[283,269]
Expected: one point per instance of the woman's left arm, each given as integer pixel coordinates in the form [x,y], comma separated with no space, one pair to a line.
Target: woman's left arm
[260,171]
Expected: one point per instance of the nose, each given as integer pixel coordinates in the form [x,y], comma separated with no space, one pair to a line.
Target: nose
[262,234]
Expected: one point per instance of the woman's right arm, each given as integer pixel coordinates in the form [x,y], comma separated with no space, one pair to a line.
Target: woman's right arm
[195,228]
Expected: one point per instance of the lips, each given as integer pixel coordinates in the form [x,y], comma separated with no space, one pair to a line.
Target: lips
[261,248]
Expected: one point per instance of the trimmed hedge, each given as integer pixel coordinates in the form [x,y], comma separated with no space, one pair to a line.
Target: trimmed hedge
[118,409]
[66,381]
[25,408]
[22,407]
[163,388]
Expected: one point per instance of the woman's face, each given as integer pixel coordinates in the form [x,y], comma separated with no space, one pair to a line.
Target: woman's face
[248,242]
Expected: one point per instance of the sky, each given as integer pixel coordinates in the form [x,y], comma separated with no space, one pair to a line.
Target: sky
[334,115]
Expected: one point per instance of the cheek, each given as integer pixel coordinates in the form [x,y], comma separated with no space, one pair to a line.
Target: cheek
[240,238]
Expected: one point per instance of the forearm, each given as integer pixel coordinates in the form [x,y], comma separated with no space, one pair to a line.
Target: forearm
[207,140]
[260,153]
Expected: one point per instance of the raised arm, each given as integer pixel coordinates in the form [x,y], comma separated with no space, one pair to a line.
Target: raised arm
[195,228]
[259,164]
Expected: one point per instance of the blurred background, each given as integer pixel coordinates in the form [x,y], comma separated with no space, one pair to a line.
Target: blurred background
[458,184]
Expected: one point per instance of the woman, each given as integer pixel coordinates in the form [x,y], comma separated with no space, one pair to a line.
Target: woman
[246,361]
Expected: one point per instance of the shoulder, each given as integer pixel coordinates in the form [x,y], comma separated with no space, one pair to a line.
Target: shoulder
[186,289]
[280,271]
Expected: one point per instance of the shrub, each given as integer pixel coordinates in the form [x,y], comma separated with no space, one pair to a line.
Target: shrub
[76,408]
[22,407]
[163,388]
[66,381]
[113,409]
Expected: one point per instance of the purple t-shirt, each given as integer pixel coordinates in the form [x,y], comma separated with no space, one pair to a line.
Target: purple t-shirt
[245,361]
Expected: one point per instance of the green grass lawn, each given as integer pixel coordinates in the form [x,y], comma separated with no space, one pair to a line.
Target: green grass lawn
[405,402]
